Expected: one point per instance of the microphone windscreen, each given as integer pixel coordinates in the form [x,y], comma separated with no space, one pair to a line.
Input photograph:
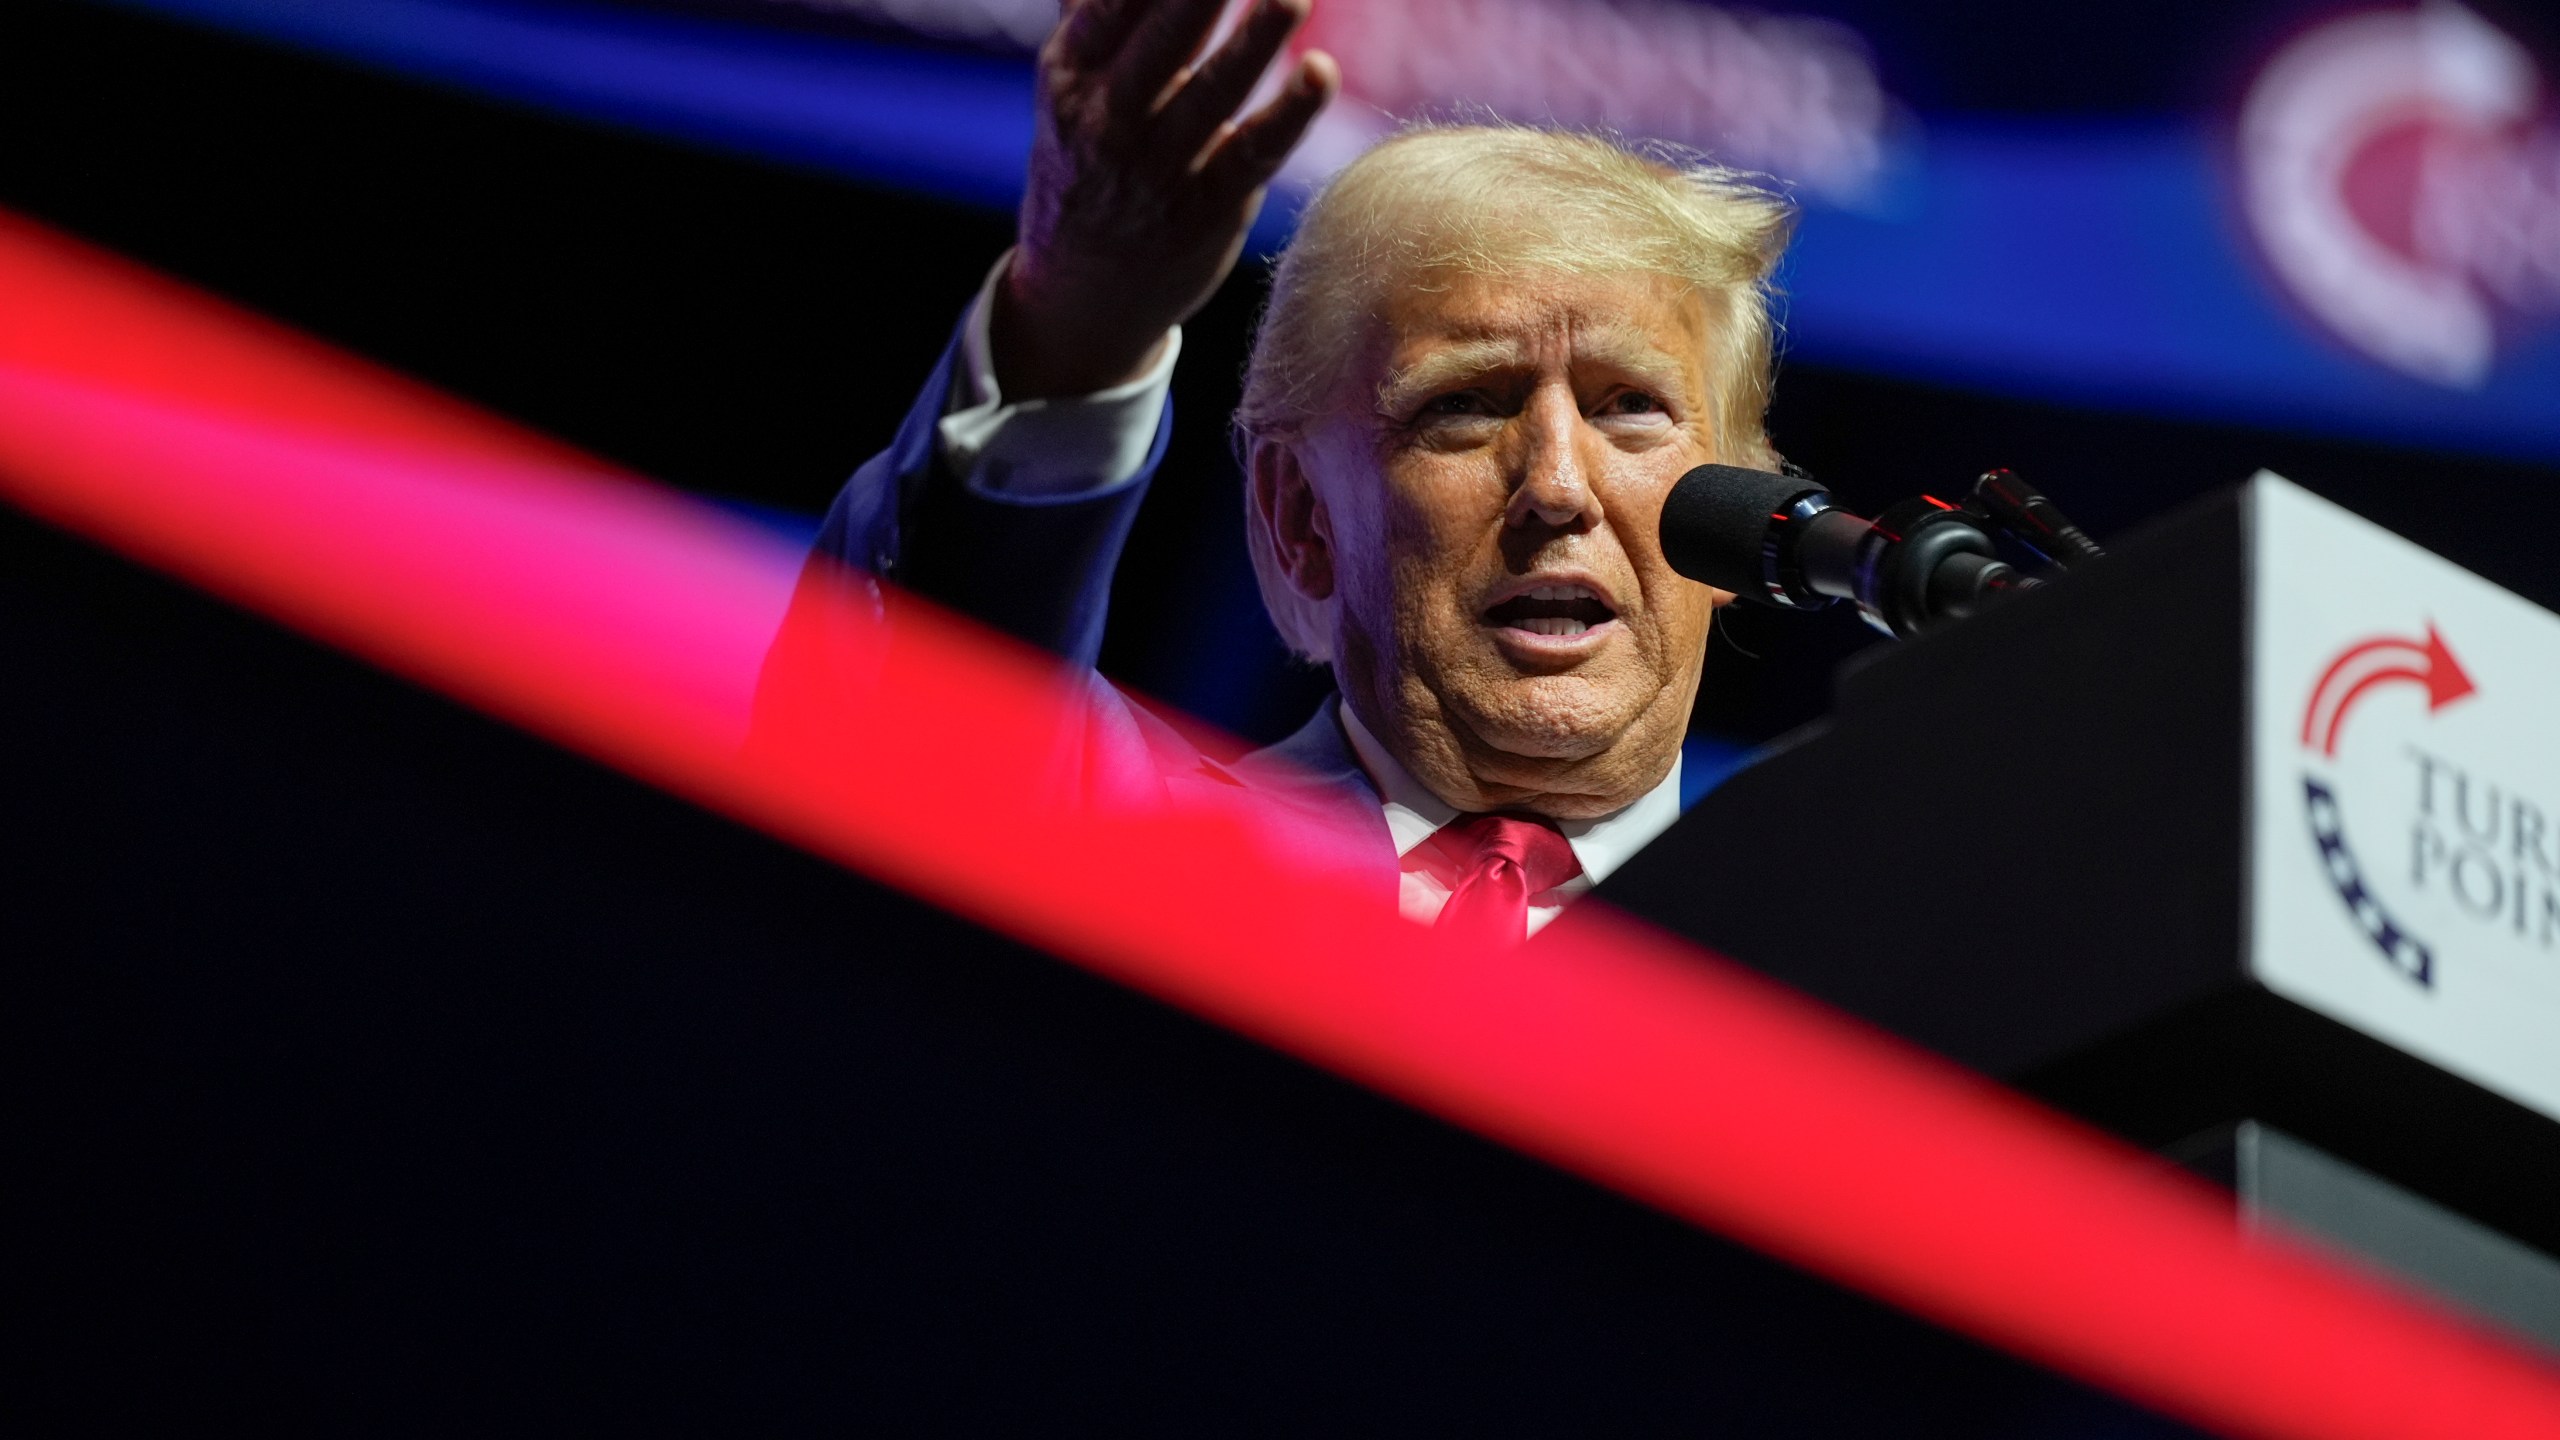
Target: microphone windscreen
[1715,524]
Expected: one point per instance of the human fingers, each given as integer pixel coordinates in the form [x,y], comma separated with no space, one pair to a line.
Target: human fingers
[1092,29]
[1165,38]
[1220,83]
[1260,143]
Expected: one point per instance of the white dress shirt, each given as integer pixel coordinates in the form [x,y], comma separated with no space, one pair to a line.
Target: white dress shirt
[1045,448]
[1052,448]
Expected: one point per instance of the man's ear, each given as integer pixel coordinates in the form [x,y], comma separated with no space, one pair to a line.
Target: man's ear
[1293,515]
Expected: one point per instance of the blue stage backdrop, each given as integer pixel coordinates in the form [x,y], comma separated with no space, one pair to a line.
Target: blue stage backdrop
[2342,220]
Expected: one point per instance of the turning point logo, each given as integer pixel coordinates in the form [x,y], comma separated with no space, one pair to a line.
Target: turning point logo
[2483,857]
[2356,673]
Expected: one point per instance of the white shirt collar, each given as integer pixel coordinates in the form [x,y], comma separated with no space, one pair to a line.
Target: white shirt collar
[1414,814]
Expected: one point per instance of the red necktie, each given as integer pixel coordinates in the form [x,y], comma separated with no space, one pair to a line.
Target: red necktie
[1506,859]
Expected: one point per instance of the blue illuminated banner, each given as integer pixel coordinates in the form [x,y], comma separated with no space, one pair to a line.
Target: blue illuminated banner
[2316,262]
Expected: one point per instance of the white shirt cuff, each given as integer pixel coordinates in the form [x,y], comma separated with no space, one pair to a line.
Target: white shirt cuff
[1046,449]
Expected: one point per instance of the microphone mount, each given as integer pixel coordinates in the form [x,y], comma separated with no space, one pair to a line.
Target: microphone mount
[1780,539]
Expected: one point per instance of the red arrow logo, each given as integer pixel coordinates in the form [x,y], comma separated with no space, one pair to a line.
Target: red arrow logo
[2379,661]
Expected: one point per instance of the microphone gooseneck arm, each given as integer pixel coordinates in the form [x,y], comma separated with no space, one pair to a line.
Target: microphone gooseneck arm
[2031,520]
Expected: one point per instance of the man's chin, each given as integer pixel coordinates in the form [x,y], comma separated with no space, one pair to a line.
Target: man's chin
[1549,718]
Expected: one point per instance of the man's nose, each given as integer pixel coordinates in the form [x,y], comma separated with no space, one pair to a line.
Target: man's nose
[1554,482]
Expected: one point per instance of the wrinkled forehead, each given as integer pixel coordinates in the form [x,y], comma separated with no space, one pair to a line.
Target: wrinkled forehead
[1445,324]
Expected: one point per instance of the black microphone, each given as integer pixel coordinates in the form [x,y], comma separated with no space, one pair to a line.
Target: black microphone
[1780,540]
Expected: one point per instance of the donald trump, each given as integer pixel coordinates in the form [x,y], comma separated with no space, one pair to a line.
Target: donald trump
[1487,355]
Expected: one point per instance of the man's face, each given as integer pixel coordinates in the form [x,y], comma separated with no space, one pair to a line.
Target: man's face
[1495,492]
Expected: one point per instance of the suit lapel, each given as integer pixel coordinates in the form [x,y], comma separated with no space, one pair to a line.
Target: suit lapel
[1314,771]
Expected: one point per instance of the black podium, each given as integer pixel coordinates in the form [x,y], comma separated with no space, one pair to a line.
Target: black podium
[2239,844]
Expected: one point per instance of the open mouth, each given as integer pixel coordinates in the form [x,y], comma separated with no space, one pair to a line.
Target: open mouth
[1565,610]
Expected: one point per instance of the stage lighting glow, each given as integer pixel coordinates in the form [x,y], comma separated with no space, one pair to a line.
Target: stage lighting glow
[1793,95]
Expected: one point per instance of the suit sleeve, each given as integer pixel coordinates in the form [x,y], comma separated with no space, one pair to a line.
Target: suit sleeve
[1035,563]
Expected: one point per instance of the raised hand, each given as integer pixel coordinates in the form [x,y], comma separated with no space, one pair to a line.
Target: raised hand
[1143,182]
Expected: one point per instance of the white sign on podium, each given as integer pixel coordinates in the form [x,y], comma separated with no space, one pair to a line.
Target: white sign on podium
[2404,754]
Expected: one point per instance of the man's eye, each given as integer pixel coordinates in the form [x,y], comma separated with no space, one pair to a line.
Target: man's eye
[1631,402]
[1460,402]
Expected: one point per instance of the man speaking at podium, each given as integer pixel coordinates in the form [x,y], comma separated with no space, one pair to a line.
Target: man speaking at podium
[1488,354]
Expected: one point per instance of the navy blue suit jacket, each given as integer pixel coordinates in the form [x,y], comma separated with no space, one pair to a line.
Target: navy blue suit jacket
[1040,569]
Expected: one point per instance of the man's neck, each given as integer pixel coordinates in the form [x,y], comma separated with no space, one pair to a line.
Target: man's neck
[1414,813]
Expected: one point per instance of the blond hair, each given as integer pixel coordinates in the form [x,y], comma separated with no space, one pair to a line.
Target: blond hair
[1502,200]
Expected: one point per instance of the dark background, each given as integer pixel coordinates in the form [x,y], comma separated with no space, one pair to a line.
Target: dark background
[753,332]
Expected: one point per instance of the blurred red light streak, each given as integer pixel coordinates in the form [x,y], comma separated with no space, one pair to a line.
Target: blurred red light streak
[630,623]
